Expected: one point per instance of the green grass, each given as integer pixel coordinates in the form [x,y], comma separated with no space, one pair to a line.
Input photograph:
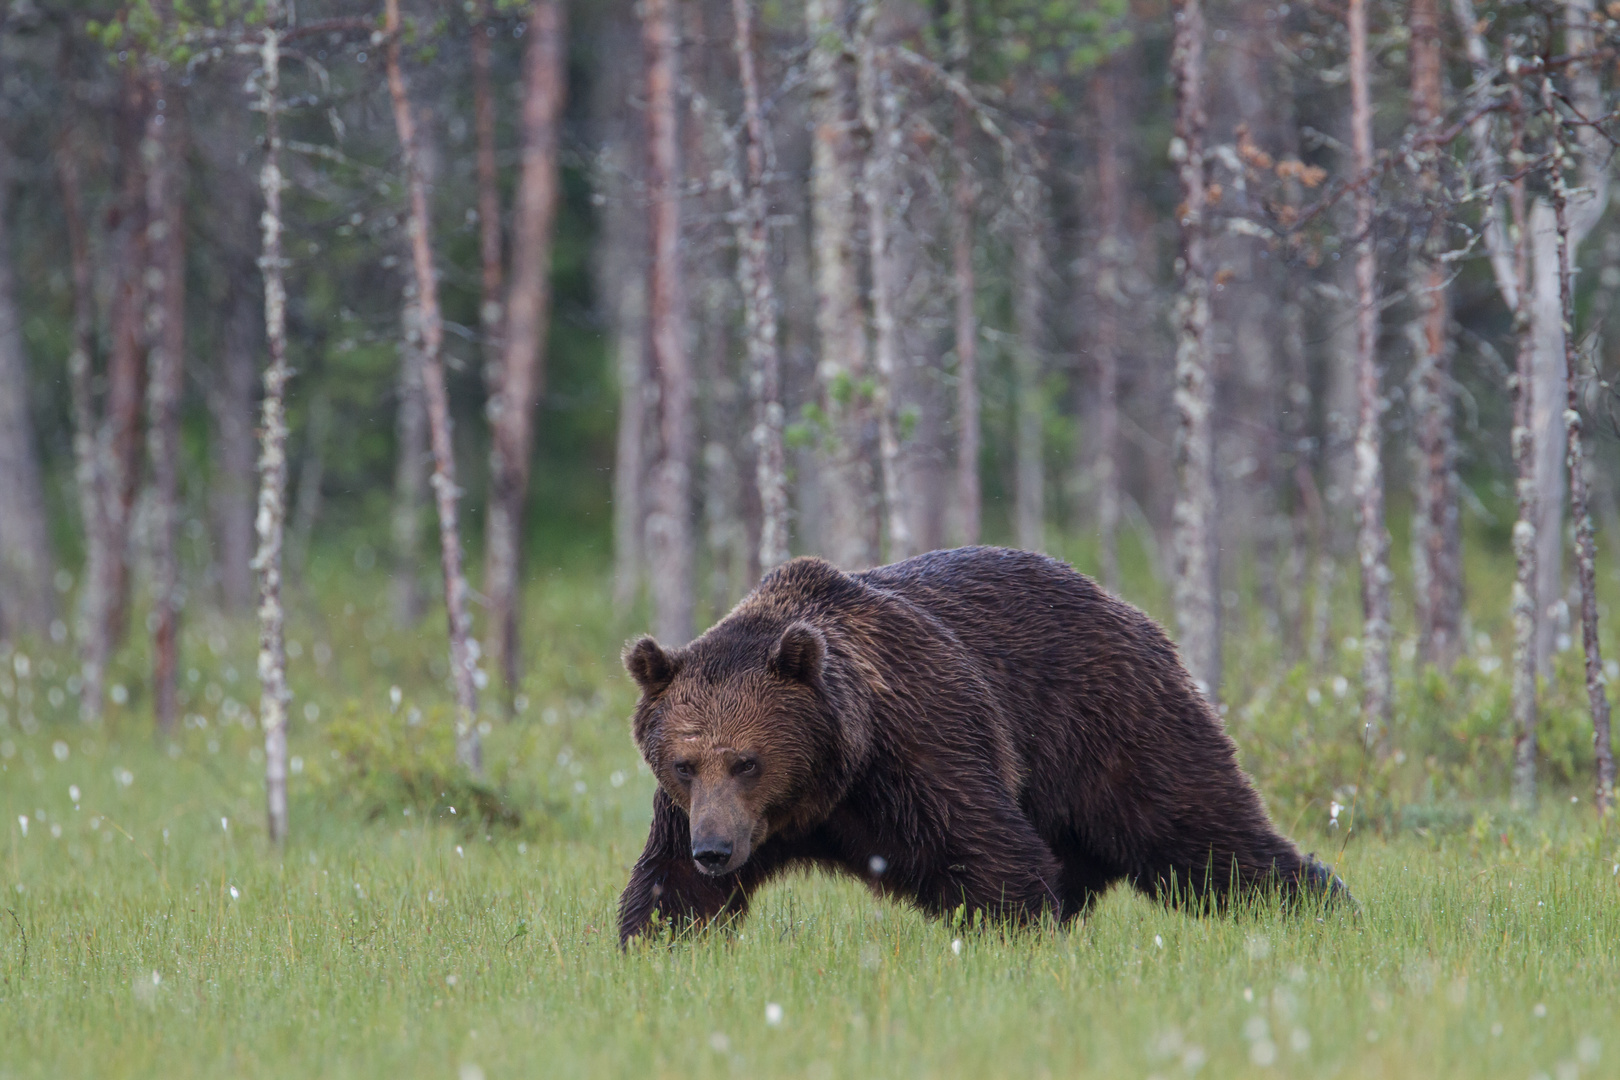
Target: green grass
[394,944]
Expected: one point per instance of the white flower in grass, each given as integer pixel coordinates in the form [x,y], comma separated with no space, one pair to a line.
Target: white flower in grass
[956,946]
[234,894]
[73,792]
[224,824]
[773,1014]
[22,822]
[1158,941]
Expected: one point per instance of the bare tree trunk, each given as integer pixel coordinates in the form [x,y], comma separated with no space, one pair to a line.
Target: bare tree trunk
[491,309]
[1436,540]
[1109,303]
[463,661]
[669,527]
[126,362]
[1197,614]
[759,304]
[877,107]
[630,453]
[1372,539]
[1029,346]
[163,152]
[410,470]
[89,467]
[515,390]
[963,195]
[846,474]
[272,515]
[26,601]
[1585,545]
[1526,612]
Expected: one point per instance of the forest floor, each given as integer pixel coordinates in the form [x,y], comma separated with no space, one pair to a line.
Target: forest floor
[147,929]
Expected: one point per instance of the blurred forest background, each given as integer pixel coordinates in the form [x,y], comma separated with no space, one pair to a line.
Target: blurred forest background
[1210,300]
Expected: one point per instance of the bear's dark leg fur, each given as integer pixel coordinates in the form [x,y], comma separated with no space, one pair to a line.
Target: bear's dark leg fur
[666,880]
[1003,868]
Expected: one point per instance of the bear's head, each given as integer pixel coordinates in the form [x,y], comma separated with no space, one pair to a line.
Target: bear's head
[741,729]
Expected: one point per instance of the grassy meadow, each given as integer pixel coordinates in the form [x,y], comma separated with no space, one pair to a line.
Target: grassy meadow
[419,925]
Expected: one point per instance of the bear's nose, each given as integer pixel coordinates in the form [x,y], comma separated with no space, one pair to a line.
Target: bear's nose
[712,854]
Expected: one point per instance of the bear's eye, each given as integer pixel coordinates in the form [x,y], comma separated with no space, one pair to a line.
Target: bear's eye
[745,767]
[684,770]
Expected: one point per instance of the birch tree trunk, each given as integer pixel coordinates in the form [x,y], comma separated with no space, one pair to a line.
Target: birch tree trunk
[963,194]
[1436,540]
[272,514]
[1585,545]
[840,324]
[1029,274]
[463,661]
[26,601]
[1372,542]
[759,303]
[669,527]
[89,471]
[1197,615]
[515,387]
[877,108]
[163,150]
[1109,302]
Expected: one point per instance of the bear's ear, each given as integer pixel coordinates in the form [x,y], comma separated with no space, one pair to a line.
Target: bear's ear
[649,665]
[799,654]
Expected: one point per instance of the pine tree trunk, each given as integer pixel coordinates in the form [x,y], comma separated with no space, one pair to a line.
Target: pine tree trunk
[410,471]
[759,304]
[1436,539]
[27,603]
[967,331]
[1585,545]
[163,152]
[846,475]
[89,470]
[1029,346]
[272,514]
[1197,616]
[516,386]
[877,109]
[1372,541]
[1109,304]
[463,662]
[126,361]
[669,527]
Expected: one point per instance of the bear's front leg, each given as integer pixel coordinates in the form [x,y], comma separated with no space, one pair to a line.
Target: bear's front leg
[666,880]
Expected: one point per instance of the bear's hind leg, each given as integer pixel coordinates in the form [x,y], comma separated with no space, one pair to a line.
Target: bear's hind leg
[1081,881]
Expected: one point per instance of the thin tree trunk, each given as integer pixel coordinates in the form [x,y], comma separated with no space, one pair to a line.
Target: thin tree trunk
[272,515]
[1526,612]
[517,386]
[163,153]
[307,504]
[126,362]
[410,470]
[26,601]
[759,303]
[1585,544]
[491,309]
[89,471]
[1436,542]
[669,527]
[1197,616]
[463,662]
[1107,289]
[1372,539]
[963,194]
[1029,283]
[840,324]
[877,108]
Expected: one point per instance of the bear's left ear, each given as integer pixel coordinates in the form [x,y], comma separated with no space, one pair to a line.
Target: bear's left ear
[799,654]
[648,664]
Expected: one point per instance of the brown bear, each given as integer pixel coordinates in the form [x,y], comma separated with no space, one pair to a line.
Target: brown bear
[983,728]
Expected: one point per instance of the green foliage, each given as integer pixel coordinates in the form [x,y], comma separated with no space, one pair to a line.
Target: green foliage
[403,763]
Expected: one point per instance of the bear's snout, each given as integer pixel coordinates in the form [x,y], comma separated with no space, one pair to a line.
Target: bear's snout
[713,854]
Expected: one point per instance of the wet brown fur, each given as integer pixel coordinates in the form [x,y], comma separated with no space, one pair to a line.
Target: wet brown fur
[980,727]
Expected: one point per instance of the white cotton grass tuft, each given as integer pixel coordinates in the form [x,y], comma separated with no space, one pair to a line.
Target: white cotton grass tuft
[773,1014]
[1158,941]
[224,824]
[73,792]
[234,894]
[22,823]
[956,946]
